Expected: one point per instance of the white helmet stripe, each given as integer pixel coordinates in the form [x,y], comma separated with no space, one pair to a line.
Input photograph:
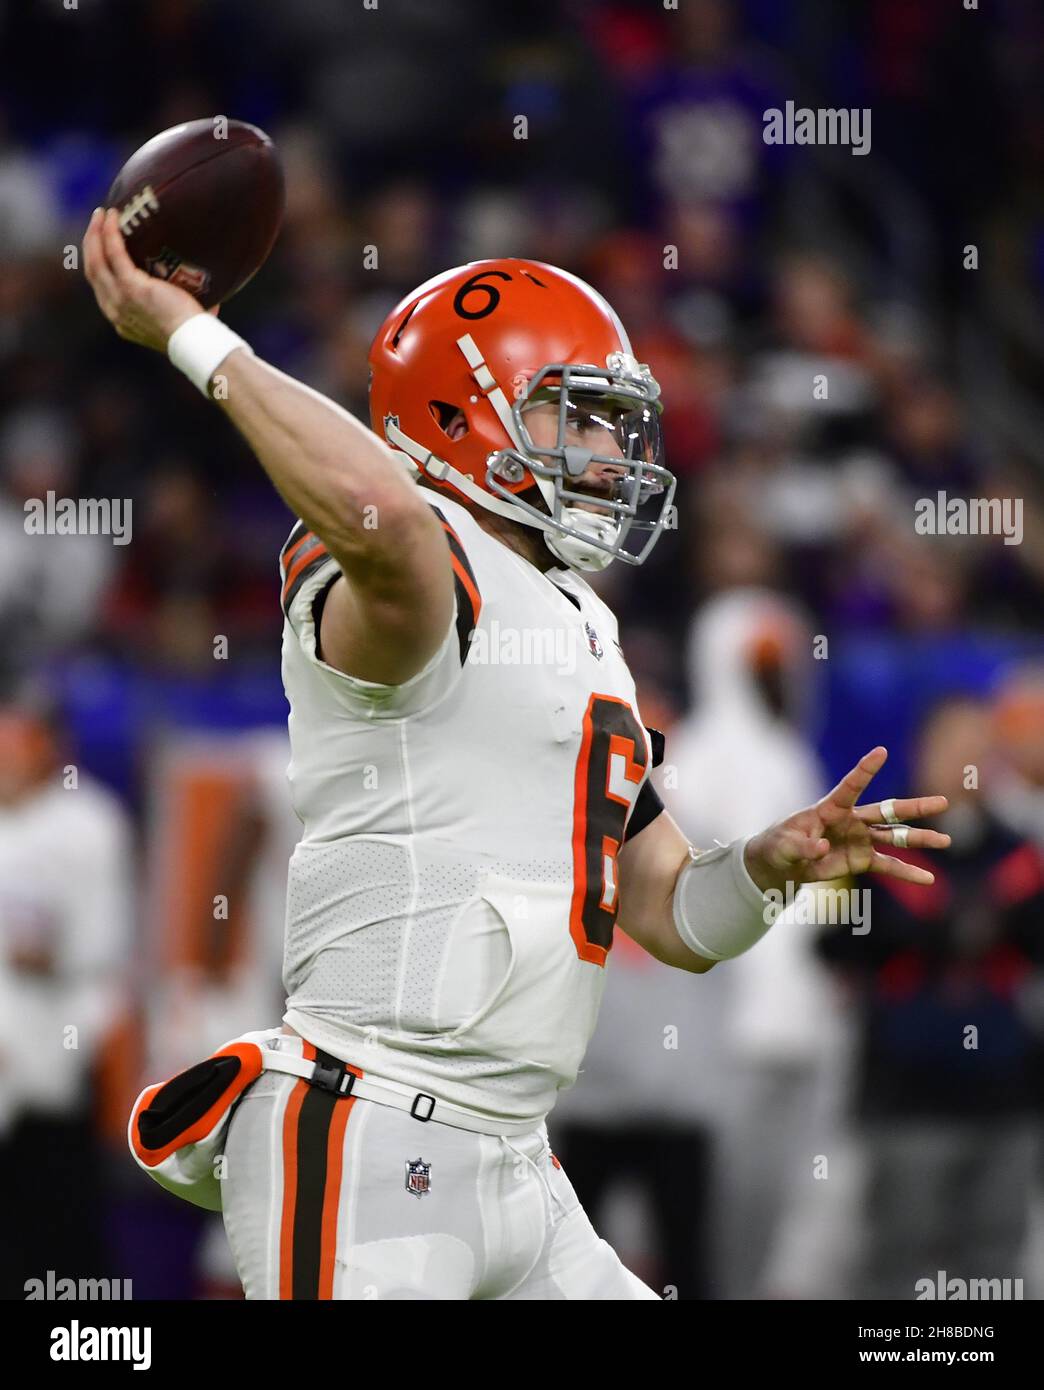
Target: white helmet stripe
[470,349]
[487,384]
[441,471]
[498,401]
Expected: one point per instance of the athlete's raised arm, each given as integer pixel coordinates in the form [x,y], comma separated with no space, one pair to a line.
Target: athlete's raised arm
[691,910]
[388,615]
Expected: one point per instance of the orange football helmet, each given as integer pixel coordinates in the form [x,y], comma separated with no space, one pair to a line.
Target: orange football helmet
[488,341]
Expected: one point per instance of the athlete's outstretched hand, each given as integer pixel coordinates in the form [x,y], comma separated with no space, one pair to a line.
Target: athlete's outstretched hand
[835,837]
[142,308]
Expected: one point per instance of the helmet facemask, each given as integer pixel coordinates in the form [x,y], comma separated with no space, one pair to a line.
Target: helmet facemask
[587,526]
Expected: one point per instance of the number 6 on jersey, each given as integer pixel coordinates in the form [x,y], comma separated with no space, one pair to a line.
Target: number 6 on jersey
[610,770]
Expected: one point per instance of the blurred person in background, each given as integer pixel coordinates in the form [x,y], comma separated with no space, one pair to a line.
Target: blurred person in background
[946,1085]
[65,937]
[219,833]
[1017,790]
[175,589]
[697,118]
[51,586]
[808,400]
[1016,796]
[740,754]
[235,920]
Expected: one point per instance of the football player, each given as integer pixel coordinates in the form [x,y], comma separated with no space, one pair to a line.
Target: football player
[470,767]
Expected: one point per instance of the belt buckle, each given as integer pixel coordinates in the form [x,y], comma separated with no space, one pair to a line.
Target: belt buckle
[332,1076]
[421,1095]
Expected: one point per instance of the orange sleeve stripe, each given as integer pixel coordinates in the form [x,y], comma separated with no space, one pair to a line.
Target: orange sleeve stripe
[316,552]
[464,574]
[467,583]
[285,559]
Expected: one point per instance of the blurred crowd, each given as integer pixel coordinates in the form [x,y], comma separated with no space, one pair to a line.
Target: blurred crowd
[908,281]
[742,270]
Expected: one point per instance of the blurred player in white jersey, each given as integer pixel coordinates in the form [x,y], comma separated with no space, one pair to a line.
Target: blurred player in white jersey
[471,768]
[66,902]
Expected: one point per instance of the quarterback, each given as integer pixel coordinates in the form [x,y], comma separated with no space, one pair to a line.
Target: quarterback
[477,812]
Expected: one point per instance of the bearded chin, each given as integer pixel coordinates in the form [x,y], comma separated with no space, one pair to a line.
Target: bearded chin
[580,553]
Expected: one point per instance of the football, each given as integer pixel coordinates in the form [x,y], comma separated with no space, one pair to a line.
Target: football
[201,204]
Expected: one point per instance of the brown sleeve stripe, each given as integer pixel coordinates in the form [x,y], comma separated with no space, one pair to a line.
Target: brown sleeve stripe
[469,600]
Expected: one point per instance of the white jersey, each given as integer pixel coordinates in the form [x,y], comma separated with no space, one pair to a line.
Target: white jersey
[66,901]
[451,903]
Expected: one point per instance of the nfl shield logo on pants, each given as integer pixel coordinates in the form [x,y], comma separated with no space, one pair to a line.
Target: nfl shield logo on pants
[418,1176]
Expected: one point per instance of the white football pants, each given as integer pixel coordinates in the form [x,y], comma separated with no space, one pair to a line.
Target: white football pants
[330,1197]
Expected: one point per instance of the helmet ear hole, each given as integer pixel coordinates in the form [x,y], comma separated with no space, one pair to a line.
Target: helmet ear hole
[450,419]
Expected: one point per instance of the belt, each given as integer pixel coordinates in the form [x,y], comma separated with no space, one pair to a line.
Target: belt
[330,1074]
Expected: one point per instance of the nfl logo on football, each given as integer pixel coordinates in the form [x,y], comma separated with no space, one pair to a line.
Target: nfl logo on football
[418,1176]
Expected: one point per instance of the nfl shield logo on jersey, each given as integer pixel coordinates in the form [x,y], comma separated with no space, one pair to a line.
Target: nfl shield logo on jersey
[593,642]
[418,1176]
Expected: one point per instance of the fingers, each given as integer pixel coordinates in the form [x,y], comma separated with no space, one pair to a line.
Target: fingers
[122,268]
[910,808]
[851,787]
[791,846]
[806,847]
[109,269]
[898,868]
[88,244]
[913,839]
[95,265]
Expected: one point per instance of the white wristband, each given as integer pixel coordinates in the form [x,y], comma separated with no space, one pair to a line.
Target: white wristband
[719,910]
[200,345]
